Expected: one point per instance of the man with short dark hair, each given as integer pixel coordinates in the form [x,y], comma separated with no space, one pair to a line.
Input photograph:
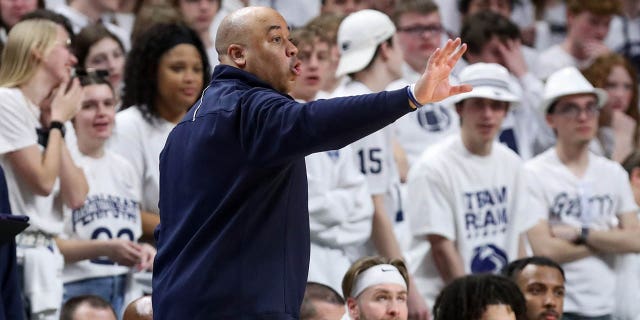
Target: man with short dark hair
[87,307]
[541,281]
[419,29]
[493,38]
[321,302]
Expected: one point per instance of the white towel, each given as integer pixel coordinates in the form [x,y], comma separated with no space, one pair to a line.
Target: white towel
[43,278]
[627,269]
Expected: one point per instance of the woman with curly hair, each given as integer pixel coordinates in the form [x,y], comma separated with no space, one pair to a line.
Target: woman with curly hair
[165,73]
[618,133]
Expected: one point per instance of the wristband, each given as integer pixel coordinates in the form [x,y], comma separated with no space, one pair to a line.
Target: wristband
[57,125]
[582,238]
[412,97]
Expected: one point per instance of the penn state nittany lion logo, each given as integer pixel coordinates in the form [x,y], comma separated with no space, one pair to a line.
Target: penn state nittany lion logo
[488,258]
[434,117]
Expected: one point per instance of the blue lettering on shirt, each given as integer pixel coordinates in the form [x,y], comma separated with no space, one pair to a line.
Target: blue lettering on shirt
[565,205]
[100,206]
[486,212]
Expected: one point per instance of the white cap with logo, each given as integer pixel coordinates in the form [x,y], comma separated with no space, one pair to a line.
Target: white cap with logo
[359,35]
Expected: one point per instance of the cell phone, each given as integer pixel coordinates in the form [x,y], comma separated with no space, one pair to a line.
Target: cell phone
[11,225]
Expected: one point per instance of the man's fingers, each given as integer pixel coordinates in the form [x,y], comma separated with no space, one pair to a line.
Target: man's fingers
[460,89]
[457,55]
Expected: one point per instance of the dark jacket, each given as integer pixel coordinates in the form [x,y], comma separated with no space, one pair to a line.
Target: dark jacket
[233,242]
[11,307]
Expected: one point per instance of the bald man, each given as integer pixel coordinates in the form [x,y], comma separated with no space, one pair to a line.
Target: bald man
[139,309]
[233,242]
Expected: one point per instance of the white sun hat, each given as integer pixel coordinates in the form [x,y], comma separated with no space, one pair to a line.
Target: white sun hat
[359,35]
[565,82]
[489,81]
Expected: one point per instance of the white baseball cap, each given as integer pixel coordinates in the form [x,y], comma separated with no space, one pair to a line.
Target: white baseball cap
[489,81]
[565,82]
[359,35]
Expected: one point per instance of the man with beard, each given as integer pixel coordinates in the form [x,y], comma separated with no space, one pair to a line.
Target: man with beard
[376,288]
[541,281]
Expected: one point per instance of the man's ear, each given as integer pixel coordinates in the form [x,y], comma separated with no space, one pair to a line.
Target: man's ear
[634,177]
[237,54]
[352,308]
[549,118]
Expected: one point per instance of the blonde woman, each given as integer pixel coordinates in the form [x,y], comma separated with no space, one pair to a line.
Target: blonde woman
[36,67]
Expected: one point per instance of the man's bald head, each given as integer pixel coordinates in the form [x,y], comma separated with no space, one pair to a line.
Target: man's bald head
[139,309]
[257,40]
[238,26]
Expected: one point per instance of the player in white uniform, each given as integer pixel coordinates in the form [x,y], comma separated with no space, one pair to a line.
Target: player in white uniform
[371,56]
[99,239]
[585,201]
[465,193]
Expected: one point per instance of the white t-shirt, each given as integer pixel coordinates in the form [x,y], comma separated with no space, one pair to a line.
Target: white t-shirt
[141,142]
[340,214]
[111,210]
[373,155]
[79,20]
[554,59]
[19,119]
[416,131]
[475,201]
[594,200]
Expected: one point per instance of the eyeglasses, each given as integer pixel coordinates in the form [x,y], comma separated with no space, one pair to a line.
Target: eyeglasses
[573,111]
[91,73]
[421,29]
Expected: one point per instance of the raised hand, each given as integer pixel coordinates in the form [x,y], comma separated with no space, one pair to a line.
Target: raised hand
[434,84]
[66,103]
[511,52]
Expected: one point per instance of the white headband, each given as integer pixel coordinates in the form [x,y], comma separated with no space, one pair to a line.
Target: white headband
[378,274]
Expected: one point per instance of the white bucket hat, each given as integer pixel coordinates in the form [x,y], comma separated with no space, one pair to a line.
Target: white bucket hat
[359,35]
[565,82]
[489,80]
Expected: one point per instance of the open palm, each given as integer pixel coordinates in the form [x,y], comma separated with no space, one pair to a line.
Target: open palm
[434,84]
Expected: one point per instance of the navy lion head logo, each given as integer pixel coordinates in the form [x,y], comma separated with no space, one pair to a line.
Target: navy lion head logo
[488,258]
